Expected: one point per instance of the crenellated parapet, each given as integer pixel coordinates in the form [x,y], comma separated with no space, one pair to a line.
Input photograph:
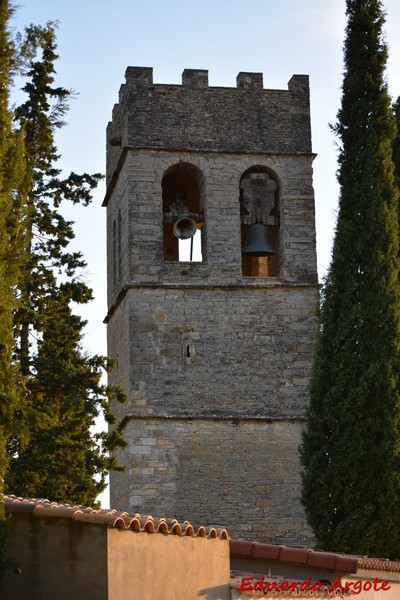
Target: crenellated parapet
[198,117]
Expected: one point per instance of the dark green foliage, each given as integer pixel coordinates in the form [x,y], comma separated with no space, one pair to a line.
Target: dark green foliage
[12,238]
[61,459]
[12,241]
[351,448]
[62,456]
[396,144]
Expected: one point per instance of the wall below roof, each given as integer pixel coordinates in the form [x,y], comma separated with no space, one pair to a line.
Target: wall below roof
[155,566]
[56,559]
[62,559]
[78,556]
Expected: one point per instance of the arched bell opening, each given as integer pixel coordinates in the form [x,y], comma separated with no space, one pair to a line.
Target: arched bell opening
[259,222]
[183,211]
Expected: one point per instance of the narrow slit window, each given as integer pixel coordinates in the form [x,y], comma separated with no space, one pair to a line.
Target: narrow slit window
[119,246]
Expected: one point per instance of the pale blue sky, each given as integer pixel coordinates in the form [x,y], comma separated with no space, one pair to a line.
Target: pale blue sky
[97,40]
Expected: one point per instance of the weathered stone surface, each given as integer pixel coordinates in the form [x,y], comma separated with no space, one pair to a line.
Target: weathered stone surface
[194,116]
[241,473]
[216,365]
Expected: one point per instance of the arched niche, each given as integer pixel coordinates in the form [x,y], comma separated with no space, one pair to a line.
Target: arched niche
[183,196]
[259,203]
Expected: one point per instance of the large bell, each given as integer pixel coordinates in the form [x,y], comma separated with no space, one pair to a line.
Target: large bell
[184,228]
[257,243]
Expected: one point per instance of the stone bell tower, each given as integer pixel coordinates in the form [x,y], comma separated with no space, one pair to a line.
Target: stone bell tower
[214,352]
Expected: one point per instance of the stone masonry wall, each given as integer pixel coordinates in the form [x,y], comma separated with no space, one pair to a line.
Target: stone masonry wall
[137,195]
[213,437]
[194,116]
[216,364]
[240,474]
[217,351]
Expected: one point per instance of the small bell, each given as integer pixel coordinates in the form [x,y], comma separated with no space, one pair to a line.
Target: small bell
[184,228]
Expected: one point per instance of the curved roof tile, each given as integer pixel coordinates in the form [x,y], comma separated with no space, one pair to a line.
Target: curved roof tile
[344,563]
[294,555]
[378,564]
[41,507]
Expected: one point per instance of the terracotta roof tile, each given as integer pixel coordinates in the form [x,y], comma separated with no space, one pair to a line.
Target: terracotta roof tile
[110,518]
[329,560]
[293,555]
[240,548]
[378,564]
[344,563]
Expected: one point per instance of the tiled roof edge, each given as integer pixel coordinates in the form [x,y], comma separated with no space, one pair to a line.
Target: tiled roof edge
[344,563]
[294,555]
[378,564]
[40,507]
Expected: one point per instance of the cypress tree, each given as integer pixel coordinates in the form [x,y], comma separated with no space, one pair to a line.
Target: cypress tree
[12,240]
[62,460]
[396,144]
[351,448]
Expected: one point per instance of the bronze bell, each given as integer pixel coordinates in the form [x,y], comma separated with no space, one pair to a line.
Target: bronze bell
[257,243]
[184,228]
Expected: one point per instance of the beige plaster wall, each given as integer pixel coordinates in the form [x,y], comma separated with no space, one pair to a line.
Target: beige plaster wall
[58,559]
[145,566]
[392,579]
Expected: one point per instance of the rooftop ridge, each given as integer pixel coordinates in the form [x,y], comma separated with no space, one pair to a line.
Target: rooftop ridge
[41,507]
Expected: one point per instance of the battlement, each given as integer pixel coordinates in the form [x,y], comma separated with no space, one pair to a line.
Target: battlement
[197,117]
[198,78]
